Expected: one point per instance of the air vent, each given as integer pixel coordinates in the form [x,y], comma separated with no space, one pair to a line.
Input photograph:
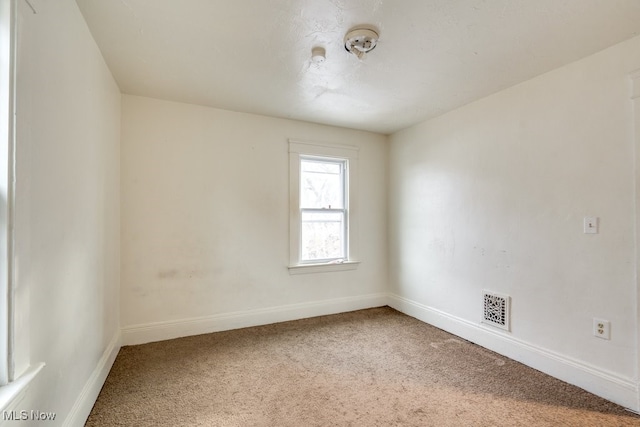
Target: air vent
[497,310]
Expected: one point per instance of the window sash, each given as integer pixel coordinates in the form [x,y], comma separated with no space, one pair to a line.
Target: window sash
[341,199]
[339,250]
[335,242]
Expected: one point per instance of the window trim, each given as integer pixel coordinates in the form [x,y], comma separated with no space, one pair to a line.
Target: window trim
[15,382]
[7,82]
[300,149]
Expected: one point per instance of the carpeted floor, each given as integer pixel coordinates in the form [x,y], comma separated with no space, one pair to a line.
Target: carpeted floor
[373,367]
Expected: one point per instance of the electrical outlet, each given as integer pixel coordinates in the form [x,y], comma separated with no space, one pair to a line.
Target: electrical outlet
[602,329]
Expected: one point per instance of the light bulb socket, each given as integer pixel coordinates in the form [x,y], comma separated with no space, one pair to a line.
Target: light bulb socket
[360,41]
[318,55]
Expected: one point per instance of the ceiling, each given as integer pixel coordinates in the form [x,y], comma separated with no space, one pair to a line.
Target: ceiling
[433,55]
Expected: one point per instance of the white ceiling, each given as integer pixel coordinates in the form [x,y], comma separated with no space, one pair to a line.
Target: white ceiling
[433,55]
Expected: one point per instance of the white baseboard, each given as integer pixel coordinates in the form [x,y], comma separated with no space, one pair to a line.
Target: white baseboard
[87,398]
[623,391]
[159,331]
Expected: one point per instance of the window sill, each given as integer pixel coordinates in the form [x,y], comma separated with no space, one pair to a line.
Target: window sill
[12,393]
[323,268]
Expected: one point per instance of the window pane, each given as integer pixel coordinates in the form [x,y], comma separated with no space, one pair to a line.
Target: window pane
[322,235]
[321,184]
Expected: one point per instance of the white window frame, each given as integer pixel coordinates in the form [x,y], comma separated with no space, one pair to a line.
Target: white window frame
[299,150]
[7,8]
[13,383]
[343,211]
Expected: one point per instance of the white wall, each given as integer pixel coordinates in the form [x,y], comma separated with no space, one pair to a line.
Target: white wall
[489,196]
[493,195]
[66,210]
[205,224]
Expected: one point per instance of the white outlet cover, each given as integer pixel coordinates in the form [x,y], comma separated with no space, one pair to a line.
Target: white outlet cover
[590,225]
[602,328]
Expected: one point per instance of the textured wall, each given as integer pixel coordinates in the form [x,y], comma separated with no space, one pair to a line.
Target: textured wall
[205,213]
[67,205]
[493,195]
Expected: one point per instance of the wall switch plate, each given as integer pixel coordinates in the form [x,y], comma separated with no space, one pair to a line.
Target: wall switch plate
[602,329]
[590,225]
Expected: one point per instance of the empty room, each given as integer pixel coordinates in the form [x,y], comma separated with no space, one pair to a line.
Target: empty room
[320,212]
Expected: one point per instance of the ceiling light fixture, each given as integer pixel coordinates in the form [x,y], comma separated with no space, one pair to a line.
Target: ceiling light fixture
[360,41]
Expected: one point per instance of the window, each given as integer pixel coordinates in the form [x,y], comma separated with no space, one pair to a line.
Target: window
[323,211]
[15,371]
[6,136]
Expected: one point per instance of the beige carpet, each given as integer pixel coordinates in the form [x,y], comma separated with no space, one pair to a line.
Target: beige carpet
[373,367]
